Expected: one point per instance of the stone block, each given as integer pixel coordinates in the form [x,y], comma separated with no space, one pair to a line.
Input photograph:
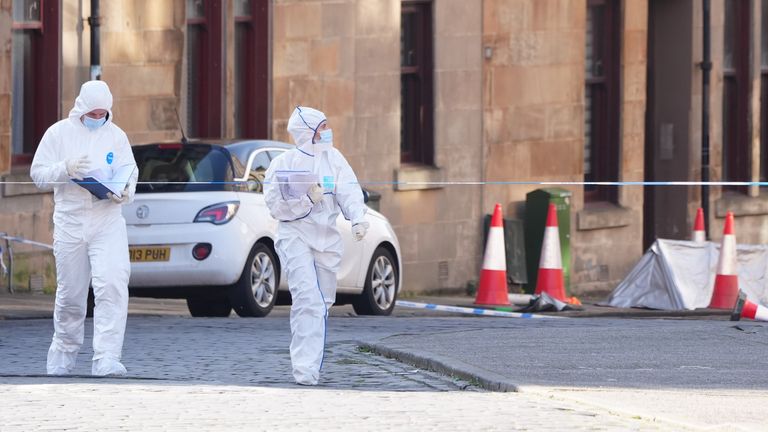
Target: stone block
[568,160]
[132,114]
[525,86]
[281,107]
[504,16]
[635,47]
[291,59]
[458,89]
[525,123]
[510,161]
[338,19]
[557,15]
[141,80]
[5,152]
[420,277]
[377,55]
[458,17]
[167,45]
[460,129]
[634,81]
[158,14]
[122,48]
[377,18]
[636,15]
[437,241]
[418,177]
[302,20]
[6,110]
[305,92]
[564,122]
[162,114]
[462,52]
[339,97]
[374,95]
[324,57]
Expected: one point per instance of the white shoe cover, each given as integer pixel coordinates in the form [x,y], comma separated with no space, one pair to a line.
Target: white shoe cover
[108,367]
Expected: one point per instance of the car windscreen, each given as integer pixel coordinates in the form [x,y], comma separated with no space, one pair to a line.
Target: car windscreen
[183,168]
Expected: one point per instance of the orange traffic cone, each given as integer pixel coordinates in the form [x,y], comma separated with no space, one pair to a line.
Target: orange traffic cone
[699,235]
[493,277]
[746,309]
[726,282]
[550,279]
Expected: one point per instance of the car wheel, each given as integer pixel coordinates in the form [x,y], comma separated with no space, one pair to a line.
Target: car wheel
[209,307]
[254,294]
[380,291]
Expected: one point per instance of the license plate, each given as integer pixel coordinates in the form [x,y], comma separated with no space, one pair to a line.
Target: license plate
[149,253]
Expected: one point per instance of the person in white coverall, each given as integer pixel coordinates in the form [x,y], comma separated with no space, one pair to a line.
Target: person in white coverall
[308,243]
[90,243]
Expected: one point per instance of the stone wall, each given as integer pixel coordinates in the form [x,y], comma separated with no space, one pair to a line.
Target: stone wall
[343,57]
[534,124]
[6,42]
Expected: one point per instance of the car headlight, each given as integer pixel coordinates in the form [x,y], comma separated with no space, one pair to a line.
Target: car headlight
[218,214]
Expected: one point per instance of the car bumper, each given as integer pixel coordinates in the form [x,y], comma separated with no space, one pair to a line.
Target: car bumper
[230,248]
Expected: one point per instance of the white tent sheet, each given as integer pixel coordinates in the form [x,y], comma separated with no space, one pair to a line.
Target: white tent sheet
[677,275]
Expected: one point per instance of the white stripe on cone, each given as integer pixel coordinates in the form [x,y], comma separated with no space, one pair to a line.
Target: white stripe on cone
[494,258]
[699,237]
[762,313]
[726,264]
[550,254]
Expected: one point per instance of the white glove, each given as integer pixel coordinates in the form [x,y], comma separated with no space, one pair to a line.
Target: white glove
[359,231]
[116,199]
[315,193]
[77,168]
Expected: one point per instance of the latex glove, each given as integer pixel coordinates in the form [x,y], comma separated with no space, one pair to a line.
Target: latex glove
[315,193]
[116,199]
[77,168]
[127,195]
[359,231]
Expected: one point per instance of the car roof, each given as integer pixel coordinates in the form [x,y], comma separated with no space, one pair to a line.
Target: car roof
[231,144]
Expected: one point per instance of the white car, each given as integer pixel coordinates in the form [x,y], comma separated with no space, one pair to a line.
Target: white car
[199,229]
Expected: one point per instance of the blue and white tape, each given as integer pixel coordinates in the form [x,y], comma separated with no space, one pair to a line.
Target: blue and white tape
[468,311]
[25,241]
[462,183]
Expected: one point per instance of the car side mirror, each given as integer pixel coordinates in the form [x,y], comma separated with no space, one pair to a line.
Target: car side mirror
[366,195]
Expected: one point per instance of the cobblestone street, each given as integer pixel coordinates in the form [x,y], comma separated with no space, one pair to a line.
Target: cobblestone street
[234,374]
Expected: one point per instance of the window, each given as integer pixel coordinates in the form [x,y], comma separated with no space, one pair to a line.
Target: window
[736,92]
[251,68]
[601,99]
[204,68]
[35,54]
[416,110]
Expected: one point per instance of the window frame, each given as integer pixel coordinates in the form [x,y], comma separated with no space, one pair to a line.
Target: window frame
[736,104]
[253,122]
[417,143]
[45,37]
[207,120]
[603,142]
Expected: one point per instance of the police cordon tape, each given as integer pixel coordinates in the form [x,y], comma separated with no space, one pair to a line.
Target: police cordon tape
[25,241]
[469,311]
[448,183]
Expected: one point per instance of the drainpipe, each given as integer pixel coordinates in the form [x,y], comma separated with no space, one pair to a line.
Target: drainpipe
[95,22]
[706,68]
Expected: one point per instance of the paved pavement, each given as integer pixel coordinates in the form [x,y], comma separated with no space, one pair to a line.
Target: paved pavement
[583,374]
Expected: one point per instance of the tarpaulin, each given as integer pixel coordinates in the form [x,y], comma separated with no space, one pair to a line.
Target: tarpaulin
[677,274]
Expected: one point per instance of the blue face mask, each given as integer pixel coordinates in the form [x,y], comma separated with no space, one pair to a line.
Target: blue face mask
[326,136]
[92,123]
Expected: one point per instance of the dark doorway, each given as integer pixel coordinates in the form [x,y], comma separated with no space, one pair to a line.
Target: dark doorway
[668,141]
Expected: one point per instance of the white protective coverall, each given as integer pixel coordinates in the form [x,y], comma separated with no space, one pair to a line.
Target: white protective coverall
[308,243]
[90,243]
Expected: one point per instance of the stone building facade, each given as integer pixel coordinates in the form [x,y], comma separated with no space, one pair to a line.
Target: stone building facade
[427,99]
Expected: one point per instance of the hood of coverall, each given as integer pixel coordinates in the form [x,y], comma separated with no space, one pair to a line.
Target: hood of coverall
[93,95]
[302,125]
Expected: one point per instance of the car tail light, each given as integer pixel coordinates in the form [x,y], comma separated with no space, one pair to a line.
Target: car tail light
[218,214]
[201,251]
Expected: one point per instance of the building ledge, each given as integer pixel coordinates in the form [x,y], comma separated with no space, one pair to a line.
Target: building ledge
[418,177]
[741,204]
[603,216]
[19,182]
